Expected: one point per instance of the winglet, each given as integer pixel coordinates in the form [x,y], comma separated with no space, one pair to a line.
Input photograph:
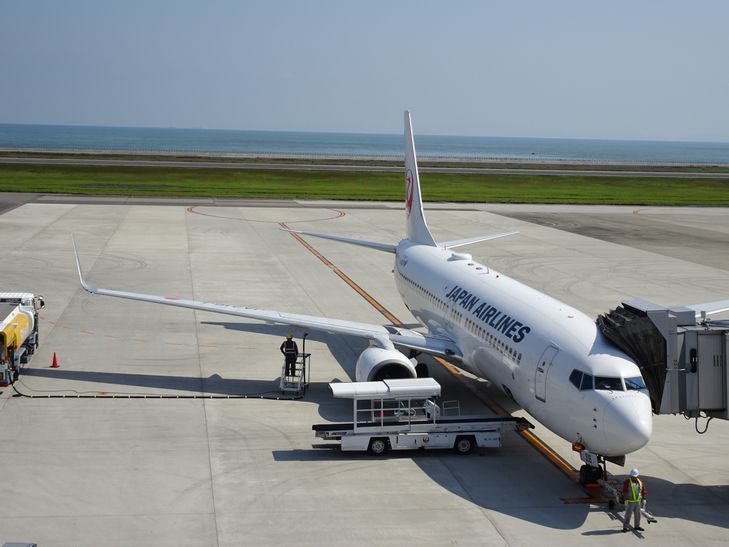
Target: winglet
[85,285]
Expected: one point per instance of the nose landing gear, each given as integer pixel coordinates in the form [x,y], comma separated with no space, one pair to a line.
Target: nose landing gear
[594,475]
[591,472]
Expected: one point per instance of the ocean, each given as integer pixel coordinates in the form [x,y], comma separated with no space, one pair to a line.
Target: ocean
[285,143]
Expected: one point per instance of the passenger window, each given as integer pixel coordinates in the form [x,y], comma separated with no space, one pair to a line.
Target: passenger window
[576,378]
[586,382]
[634,383]
[605,383]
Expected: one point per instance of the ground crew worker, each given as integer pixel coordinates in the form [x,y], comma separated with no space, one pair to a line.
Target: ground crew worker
[634,494]
[290,351]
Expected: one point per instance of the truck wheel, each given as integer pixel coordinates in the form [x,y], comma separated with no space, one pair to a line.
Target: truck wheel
[377,446]
[464,445]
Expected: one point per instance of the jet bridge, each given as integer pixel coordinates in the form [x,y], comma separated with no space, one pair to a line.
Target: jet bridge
[683,360]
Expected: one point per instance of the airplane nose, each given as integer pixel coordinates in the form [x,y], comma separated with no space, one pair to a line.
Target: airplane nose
[628,423]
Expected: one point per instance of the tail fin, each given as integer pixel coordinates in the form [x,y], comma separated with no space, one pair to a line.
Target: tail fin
[416,228]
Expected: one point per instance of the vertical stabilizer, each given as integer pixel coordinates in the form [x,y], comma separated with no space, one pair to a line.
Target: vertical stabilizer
[416,228]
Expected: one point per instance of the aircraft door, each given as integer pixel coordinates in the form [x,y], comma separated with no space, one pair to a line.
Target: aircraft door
[543,366]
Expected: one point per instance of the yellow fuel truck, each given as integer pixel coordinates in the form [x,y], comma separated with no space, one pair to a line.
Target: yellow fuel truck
[18,332]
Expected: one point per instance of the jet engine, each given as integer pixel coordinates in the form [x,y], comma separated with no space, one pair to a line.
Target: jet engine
[375,364]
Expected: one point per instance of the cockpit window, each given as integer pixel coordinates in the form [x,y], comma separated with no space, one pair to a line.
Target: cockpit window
[576,378]
[634,383]
[586,382]
[606,383]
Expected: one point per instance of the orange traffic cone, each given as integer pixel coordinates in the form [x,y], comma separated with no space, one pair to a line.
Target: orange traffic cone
[55,361]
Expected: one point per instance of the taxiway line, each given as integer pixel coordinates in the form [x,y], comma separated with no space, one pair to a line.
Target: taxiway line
[374,303]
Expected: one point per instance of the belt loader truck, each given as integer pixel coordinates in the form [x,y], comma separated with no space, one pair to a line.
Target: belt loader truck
[401,414]
[18,332]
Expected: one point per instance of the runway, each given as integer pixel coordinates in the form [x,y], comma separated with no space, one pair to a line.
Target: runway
[244,471]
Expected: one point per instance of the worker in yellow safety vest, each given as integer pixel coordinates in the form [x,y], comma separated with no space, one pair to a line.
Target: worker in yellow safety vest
[290,351]
[634,495]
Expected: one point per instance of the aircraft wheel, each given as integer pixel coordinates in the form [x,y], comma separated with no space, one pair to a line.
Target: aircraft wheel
[589,474]
[584,474]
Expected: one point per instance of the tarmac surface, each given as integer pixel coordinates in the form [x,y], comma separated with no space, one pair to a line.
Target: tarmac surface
[248,471]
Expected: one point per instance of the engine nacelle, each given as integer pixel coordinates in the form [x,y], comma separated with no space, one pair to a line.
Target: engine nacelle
[375,364]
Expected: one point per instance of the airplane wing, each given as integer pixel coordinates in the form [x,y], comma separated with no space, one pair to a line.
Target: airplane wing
[710,308]
[387,247]
[393,248]
[469,240]
[384,337]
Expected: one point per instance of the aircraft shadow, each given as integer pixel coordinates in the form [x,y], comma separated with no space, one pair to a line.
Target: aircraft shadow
[495,480]
[516,481]
[692,502]
[489,478]
[512,480]
[695,502]
[317,392]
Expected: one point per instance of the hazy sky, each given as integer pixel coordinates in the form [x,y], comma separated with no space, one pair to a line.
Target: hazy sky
[586,69]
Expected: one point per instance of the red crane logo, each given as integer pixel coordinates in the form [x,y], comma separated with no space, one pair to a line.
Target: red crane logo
[408,191]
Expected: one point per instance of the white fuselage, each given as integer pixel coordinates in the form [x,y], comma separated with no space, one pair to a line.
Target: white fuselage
[530,345]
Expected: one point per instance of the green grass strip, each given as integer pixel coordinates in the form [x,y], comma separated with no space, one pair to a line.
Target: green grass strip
[503,188]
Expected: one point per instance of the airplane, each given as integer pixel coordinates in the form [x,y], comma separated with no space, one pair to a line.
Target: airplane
[547,356]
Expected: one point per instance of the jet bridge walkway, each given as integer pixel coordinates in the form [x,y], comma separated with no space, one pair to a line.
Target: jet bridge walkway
[683,360]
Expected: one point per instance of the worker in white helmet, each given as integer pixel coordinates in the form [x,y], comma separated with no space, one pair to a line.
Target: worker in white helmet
[290,351]
[634,495]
